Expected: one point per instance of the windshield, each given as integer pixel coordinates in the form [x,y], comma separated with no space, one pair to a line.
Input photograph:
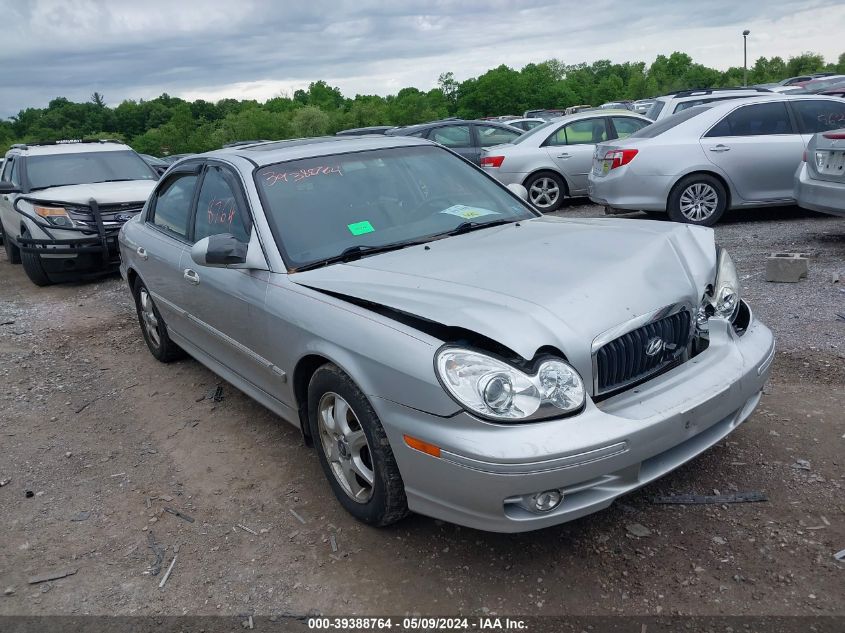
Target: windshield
[81,168]
[320,207]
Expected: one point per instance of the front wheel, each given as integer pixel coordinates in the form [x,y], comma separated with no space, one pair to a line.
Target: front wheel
[13,253]
[546,191]
[33,266]
[697,199]
[353,449]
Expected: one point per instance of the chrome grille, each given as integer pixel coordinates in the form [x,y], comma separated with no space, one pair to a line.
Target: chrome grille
[642,353]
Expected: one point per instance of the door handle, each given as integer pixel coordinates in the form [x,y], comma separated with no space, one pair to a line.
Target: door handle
[564,155]
[720,148]
[191,276]
[142,252]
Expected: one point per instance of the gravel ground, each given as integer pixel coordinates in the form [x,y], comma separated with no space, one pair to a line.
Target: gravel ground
[106,439]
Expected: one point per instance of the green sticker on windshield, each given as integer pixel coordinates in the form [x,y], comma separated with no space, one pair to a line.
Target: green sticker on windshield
[359,228]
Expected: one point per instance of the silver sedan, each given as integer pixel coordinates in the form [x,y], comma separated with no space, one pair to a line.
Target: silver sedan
[820,179]
[410,316]
[552,161]
[697,164]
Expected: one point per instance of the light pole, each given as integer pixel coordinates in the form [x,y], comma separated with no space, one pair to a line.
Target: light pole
[745,35]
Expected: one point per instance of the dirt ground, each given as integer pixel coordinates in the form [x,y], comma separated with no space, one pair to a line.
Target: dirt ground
[105,438]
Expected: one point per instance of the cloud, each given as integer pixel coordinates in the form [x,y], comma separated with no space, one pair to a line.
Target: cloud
[259,48]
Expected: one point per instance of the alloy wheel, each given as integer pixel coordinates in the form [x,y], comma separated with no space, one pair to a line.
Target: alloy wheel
[543,193]
[345,447]
[149,317]
[699,201]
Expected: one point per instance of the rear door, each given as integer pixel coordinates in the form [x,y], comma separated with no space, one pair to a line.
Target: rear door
[457,138]
[757,147]
[818,115]
[164,239]
[225,306]
[571,148]
[624,126]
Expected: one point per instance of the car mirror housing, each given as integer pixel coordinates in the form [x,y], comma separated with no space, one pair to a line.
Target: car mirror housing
[219,251]
[519,190]
[8,187]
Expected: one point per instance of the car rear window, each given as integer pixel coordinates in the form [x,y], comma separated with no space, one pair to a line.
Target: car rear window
[656,129]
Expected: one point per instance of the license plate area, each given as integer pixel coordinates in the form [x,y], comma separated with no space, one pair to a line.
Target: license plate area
[831,163]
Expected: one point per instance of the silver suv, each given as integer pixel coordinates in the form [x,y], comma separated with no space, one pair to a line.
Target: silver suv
[62,204]
[675,102]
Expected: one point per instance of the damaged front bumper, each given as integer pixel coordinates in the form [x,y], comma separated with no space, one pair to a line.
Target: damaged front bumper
[488,474]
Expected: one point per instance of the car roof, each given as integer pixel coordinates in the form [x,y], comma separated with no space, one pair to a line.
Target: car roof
[271,152]
[36,149]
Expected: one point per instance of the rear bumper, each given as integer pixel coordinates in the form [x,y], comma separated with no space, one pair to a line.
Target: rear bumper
[622,189]
[819,195]
[487,472]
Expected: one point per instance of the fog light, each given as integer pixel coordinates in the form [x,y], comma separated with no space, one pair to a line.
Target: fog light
[547,501]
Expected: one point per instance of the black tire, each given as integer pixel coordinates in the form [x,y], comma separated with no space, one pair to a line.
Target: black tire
[537,201]
[387,503]
[13,253]
[697,187]
[33,267]
[164,350]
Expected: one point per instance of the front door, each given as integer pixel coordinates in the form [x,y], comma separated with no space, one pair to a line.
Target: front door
[225,306]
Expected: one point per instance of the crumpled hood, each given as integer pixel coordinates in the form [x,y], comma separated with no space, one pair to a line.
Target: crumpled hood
[102,192]
[549,282]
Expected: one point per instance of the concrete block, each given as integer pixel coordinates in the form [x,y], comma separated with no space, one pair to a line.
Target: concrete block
[786,267]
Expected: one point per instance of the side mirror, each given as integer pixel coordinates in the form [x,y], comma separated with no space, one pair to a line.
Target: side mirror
[219,251]
[519,190]
[8,187]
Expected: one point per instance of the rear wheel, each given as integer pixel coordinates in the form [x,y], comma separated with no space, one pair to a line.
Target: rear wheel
[33,266]
[546,191]
[353,449]
[153,326]
[697,199]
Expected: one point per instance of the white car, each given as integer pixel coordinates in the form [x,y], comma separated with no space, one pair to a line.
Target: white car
[62,204]
[675,102]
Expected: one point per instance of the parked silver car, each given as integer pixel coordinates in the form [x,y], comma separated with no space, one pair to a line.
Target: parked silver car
[552,161]
[681,100]
[697,164]
[447,349]
[820,178]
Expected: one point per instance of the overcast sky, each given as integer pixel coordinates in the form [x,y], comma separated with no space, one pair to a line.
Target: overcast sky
[260,48]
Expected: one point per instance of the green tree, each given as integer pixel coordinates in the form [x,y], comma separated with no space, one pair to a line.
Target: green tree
[309,121]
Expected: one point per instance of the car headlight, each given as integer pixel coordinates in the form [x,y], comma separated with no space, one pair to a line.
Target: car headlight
[494,389]
[723,299]
[54,215]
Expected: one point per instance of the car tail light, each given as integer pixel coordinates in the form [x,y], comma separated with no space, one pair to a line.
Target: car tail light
[492,161]
[619,157]
[834,136]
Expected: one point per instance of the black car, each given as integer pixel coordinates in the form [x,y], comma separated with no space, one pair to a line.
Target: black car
[157,164]
[467,138]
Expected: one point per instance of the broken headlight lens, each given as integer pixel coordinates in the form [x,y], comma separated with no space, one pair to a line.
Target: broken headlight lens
[722,299]
[494,389]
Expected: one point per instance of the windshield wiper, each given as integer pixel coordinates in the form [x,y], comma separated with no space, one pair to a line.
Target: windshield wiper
[114,180]
[466,227]
[357,252]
